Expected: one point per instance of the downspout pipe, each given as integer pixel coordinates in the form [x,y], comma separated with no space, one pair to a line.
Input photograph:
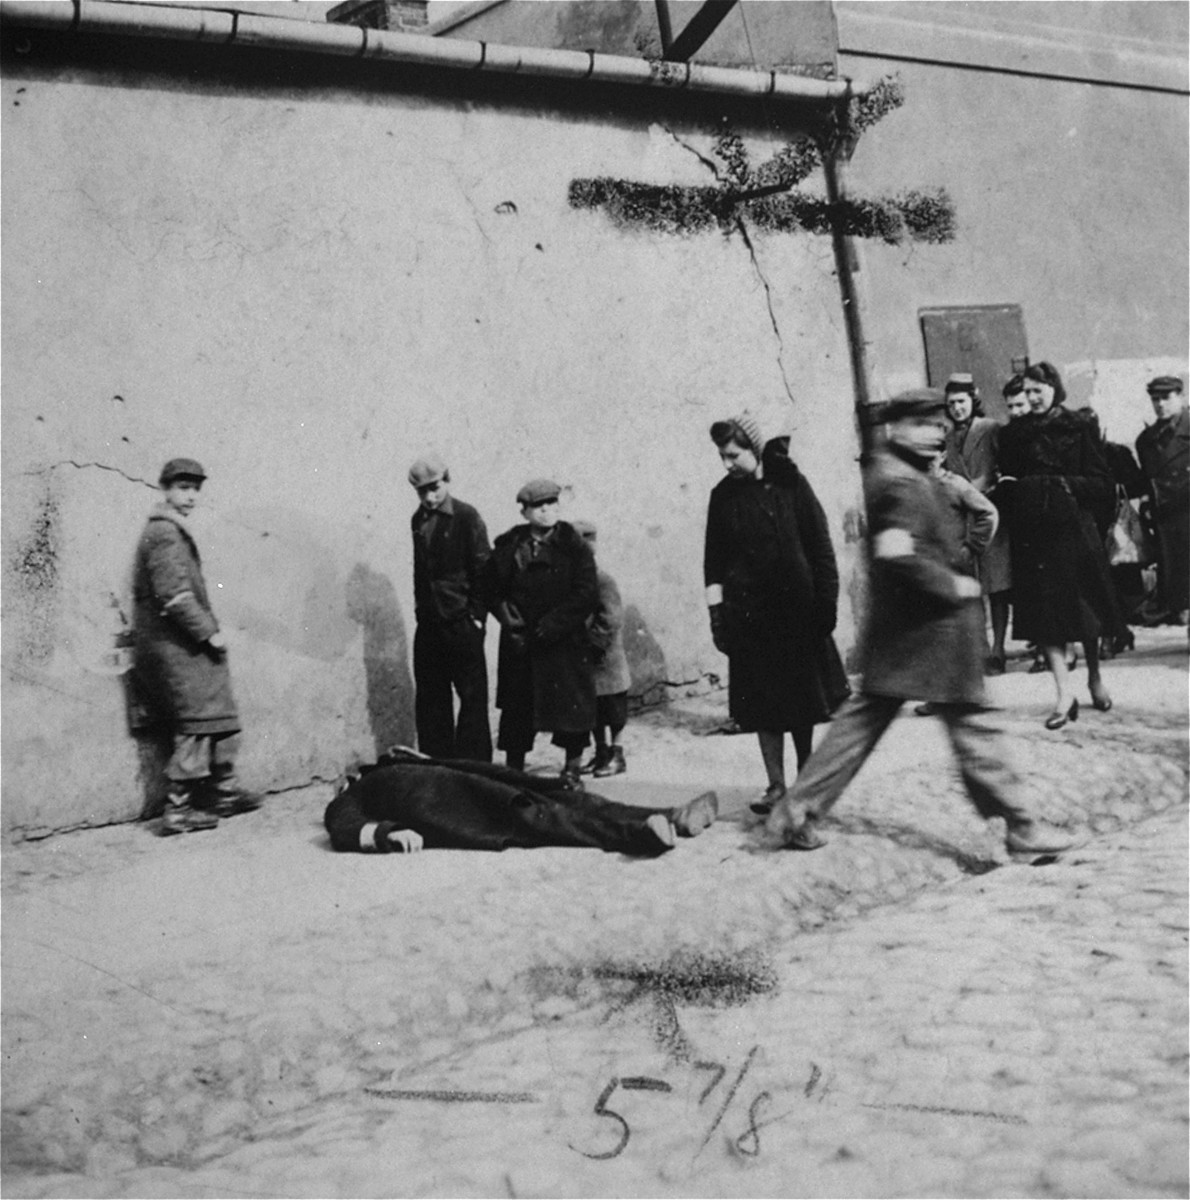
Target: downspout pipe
[846,264]
[224,27]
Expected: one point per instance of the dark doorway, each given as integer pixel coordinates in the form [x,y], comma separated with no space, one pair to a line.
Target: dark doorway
[988,340]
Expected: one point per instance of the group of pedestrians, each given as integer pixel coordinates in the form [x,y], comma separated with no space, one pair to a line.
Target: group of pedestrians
[958,508]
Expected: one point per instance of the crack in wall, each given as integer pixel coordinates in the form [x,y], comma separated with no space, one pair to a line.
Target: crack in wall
[702,158]
[768,297]
[70,462]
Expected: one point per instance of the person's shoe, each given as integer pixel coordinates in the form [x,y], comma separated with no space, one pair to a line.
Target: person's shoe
[995,664]
[926,709]
[663,832]
[182,818]
[1057,719]
[230,804]
[695,815]
[1039,666]
[615,764]
[1100,698]
[772,794]
[599,760]
[1036,837]
[794,828]
[570,780]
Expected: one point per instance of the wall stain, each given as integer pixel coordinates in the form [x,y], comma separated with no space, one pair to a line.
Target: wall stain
[35,581]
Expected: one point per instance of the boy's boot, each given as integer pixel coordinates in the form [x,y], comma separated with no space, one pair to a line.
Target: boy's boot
[603,755]
[615,764]
[180,815]
[224,796]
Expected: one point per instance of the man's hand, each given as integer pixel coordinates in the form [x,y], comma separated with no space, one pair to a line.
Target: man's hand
[967,588]
[406,841]
[217,641]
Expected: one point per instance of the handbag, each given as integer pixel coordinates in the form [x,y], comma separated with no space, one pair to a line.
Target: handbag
[1127,540]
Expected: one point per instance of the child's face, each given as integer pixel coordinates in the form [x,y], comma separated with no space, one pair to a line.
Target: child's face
[924,436]
[433,494]
[182,495]
[737,462]
[1017,405]
[543,515]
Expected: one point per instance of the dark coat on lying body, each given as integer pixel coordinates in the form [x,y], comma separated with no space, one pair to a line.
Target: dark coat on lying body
[479,806]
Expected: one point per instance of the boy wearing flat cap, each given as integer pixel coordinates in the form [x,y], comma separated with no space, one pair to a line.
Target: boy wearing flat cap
[923,638]
[450,549]
[1163,449]
[180,678]
[541,584]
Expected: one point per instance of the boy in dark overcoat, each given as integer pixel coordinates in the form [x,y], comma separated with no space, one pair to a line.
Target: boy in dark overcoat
[923,638]
[450,548]
[541,585]
[180,675]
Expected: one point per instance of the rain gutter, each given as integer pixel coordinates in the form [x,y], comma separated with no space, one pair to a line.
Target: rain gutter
[224,27]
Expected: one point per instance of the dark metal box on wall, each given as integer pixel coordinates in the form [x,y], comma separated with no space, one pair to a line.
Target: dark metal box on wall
[988,340]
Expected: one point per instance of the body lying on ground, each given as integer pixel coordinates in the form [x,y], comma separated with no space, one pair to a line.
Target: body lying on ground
[407,802]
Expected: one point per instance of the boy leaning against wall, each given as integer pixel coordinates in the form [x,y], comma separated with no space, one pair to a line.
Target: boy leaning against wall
[180,673]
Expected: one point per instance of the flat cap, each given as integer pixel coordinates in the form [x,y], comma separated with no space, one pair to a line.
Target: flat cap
[427,470]
[538,491]
[917,402]
[1164,384]
[181,468]
[961,381]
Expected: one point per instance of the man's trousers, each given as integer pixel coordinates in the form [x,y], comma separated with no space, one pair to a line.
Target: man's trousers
[446,658]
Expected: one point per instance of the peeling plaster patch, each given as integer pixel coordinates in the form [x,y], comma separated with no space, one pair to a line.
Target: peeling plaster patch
[34,567]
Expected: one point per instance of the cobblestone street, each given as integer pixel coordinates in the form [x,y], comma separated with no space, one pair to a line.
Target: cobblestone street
[902,1013]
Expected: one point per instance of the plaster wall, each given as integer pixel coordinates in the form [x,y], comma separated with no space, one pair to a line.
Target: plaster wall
[306,288]
[1071,200]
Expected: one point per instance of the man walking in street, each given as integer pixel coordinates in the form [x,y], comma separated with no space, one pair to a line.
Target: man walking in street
[923,639]
[1163,449]
[450,549]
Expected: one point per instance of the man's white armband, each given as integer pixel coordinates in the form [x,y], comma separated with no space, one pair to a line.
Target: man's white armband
[893,543]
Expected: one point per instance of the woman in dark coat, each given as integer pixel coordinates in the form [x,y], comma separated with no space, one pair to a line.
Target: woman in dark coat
[773,592]
[540,582]
[1059,495]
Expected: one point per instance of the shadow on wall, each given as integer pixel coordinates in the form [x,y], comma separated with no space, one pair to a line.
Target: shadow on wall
[646,662]
[372,603]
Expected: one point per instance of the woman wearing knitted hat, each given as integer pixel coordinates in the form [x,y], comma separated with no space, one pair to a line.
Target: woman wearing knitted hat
[773,591]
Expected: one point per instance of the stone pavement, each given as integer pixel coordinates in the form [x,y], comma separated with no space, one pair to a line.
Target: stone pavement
[245,1013]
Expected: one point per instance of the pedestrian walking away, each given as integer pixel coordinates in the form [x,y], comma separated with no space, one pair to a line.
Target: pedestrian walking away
[923,637]
[407,802]
[180,681]
[1059,500]
[610,664]
[1164,452]
[541,585]
[450,551]
[772,590]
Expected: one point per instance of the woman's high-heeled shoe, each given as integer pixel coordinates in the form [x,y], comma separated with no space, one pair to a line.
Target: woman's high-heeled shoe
[1057,719]
[1099,698]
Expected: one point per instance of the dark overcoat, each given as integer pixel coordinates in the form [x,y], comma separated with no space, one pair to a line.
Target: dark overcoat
[972,451]
[921,639]
[543,593]
[1164,452]
[448,565]
[768,546]
[1059,499]
[478,806]
[180,683]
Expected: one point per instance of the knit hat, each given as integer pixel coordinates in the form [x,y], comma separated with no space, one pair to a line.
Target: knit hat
[181,468]
[961,381]
[746,427]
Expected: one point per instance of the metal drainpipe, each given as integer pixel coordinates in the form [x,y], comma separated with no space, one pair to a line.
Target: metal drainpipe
[845,259]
